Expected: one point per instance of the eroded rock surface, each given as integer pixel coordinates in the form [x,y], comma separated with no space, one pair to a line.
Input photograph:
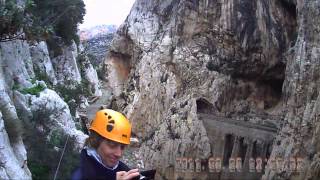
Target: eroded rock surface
[249,64]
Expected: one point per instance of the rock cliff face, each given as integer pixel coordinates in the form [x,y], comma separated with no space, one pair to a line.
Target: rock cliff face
[299,136]
[66,66]
[13,153]
[220,78]
[34,119]
[42,63]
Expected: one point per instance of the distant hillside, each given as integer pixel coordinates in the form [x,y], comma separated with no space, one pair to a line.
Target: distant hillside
[95,31]
[97,47]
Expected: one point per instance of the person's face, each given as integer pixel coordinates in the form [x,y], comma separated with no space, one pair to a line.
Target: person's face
[110,152]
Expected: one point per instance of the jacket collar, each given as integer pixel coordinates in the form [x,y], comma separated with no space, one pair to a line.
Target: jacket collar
[93,153]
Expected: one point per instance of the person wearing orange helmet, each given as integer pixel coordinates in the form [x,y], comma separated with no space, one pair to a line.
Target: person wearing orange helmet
[110,133]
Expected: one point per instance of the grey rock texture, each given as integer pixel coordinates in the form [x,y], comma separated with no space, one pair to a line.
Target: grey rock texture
[53,113]
[30,114]
[66,68]
[11,166]
[299,136]
[90,76]
[252,64]
[42,62]
[13,153]
[15,63]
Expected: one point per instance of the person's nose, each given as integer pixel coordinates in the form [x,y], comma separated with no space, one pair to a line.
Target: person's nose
[118,152]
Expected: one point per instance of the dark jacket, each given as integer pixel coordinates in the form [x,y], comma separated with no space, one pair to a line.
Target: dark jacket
[91,169]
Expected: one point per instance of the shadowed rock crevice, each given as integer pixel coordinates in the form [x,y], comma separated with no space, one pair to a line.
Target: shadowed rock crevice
[243,97]
[229,141]
[290,11]
[204,106]
[275,87]
[242,149]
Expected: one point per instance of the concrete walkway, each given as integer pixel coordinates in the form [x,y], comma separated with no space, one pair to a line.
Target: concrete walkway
[91,110]
[240,128]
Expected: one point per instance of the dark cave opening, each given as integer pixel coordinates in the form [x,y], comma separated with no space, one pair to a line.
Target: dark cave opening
[204,106]
[290,12]
[275,85]
[272,83]
[242,149]
[228,146]
[254,150]
[268,152]
[290,7]
[274,78]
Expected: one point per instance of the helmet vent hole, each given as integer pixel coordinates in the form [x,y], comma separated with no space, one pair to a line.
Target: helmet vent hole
[109,117]
[106,114]
[109,127]
[111,121]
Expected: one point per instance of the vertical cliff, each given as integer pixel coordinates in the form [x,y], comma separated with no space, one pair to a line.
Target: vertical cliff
[44,81]
[299,136]
[32,115]
[219,78]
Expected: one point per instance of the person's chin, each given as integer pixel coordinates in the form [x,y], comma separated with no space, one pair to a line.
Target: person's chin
[113,162]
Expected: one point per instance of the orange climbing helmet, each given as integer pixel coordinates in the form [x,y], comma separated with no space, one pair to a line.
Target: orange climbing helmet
[112,125]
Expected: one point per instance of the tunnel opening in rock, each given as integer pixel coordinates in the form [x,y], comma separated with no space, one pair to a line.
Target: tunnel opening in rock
[258,150]
[272,96]
[204,106]
[254,150]
[268,150]
[228,146]
[242,149]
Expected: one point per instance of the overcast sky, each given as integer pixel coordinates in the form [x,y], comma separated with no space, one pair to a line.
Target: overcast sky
[105,12]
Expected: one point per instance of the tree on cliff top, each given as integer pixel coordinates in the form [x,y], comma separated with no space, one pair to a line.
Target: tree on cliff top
[42,19]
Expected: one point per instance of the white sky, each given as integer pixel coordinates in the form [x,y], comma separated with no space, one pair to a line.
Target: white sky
[105,12]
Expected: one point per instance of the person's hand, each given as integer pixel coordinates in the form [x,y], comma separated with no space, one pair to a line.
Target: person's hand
[123,175]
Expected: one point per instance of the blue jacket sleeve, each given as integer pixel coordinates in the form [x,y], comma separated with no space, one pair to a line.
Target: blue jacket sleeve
[76,175]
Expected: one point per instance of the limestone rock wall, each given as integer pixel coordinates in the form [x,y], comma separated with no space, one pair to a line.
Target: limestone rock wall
[13,154]
[42,62]
[30,110]
[15,62]
[248,61]
[299,136]
[67,71]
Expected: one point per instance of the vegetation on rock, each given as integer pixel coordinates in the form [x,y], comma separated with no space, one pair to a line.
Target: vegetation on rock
[41,19]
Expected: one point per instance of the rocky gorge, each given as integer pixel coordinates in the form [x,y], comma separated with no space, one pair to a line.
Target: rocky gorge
[222,79]
[32,111]
[214,89]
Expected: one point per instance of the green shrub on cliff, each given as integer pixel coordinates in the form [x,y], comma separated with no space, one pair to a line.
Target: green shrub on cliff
[41,19]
